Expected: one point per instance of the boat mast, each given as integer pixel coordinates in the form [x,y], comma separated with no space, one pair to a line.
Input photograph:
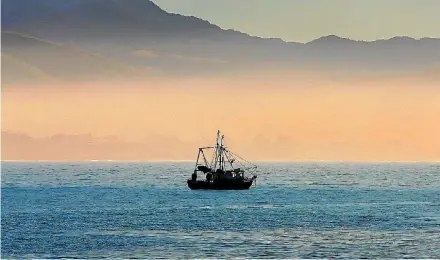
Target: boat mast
[216,154]
[222,159]
[219,156]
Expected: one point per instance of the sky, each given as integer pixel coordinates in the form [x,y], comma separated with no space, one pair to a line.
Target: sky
[294,120]
[270,114]
[306,20]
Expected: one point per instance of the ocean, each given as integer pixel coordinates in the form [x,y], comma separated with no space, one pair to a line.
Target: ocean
[145,210]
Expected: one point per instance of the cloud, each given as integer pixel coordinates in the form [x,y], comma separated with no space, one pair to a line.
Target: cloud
[198,59]
[65,147]
[145,53]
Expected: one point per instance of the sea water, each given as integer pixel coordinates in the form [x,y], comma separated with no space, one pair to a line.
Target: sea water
[145,210]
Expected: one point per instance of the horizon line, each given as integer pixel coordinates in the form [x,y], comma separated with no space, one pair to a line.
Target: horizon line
[192,161]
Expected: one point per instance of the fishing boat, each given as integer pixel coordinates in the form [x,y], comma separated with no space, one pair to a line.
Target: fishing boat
[225,171]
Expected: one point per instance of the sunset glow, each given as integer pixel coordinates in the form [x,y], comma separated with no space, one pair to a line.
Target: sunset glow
[280,119]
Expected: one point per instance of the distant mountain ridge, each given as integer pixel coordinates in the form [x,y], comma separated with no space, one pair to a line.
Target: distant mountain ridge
[183,45]
[25,14]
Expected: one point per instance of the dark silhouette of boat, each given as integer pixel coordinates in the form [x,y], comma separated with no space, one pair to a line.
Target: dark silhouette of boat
[221,172]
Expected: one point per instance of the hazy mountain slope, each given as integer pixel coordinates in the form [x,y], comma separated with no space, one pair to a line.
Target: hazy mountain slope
[15,70]
[398,53]
[43,60]
[97,18]
[118,29]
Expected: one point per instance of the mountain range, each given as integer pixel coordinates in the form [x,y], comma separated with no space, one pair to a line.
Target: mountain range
[107,39]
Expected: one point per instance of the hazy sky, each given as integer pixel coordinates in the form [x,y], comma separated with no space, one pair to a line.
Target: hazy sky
[305,20]
[264,118]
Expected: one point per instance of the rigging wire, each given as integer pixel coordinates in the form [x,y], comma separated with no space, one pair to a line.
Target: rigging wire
[217,156]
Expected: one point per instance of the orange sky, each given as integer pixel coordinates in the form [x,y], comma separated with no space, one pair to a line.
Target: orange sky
[264,119]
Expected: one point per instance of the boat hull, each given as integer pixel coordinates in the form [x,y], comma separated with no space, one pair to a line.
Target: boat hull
[220,185]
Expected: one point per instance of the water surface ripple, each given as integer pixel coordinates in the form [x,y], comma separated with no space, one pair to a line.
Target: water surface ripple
[145,210]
